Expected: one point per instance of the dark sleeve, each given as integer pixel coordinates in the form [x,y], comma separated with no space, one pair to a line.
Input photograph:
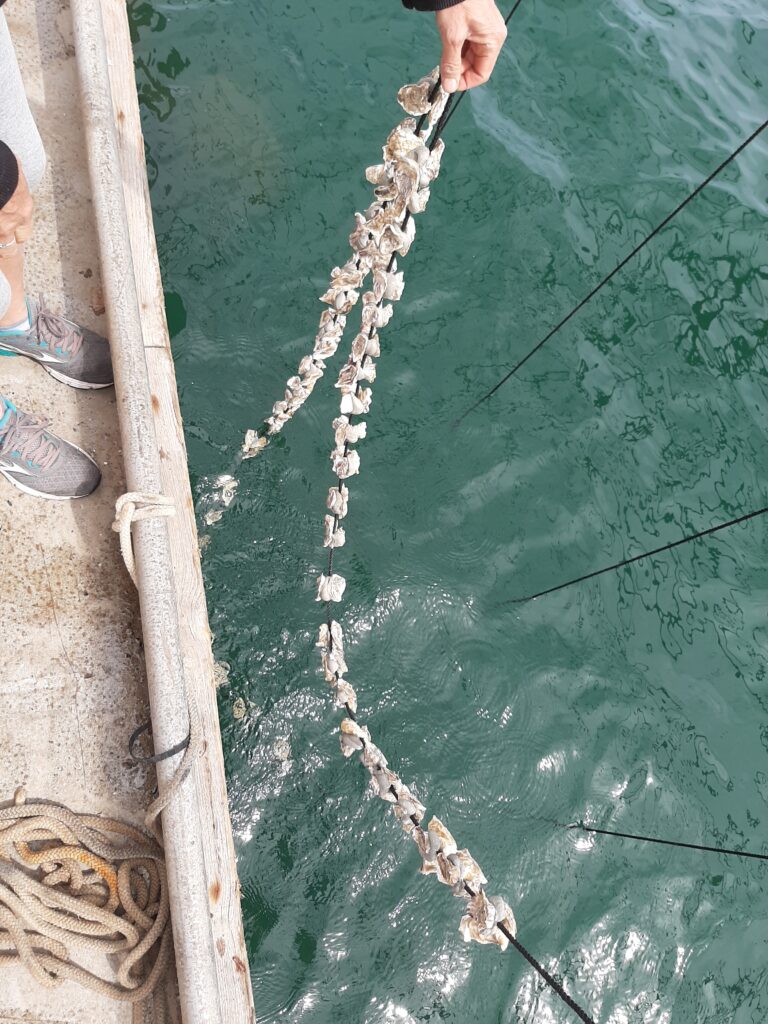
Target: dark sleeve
[430,5]
[9,173]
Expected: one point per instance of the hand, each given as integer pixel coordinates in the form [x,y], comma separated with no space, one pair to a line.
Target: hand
[473,33]
[16,216]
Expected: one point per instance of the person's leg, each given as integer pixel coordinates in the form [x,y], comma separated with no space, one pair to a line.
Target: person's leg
[5,295]
[69,352]
[18,131]
[13,305]
[17,125]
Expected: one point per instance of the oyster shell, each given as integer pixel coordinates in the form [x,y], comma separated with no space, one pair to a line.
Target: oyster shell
[408,235]
[338,500]
[353,737]
[351,275]
[330,588]
[407,808]
[377,174]
[414,99]
[373,346]
[334,536]
[344,695]
[469,871]
[326,636]
[383,781]
[388,285]
[367,372]
[347,376]
[253,444]
[333,664]
[418,201]
[341,299]
[403,141]
[373,758]
[347,465]
[360,238]
[479,923]
[431,167]
[358,404]
[438,106]
[407,177]
[358,346]
[347,433]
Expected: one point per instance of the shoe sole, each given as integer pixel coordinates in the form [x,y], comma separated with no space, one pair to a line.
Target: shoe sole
[43,494]
[81,385]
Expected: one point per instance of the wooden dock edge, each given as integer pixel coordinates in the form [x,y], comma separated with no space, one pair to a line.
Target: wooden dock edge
[211,958]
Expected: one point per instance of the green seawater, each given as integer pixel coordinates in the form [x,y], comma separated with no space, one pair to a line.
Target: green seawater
[637,701]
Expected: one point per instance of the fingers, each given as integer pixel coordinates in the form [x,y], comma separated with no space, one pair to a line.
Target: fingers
[479,62]
[451,63]
[473,33]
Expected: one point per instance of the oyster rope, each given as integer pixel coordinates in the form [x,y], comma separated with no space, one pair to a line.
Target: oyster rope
[389,218]
[408,169]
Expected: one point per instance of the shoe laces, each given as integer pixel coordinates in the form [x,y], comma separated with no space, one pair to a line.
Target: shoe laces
[65,335]
[26,438]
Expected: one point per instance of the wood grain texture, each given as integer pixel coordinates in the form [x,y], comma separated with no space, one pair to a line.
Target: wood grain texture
[209,777]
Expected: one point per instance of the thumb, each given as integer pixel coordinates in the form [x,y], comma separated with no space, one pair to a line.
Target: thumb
[450,65]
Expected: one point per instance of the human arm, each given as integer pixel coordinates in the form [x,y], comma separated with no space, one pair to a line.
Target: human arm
[473,33]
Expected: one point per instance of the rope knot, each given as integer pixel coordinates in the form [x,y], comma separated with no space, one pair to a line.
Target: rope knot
[133,507]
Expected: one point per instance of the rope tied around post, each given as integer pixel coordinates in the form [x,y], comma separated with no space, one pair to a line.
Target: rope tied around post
[130,508]
[85,886]
[134,507]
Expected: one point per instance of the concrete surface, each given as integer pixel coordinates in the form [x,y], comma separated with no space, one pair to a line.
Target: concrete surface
[73,688]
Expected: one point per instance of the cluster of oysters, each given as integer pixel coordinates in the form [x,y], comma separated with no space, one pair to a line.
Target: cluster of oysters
[385,231]
[387,228]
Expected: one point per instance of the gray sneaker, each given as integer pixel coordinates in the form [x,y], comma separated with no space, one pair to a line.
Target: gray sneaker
[40,463]
[70,353]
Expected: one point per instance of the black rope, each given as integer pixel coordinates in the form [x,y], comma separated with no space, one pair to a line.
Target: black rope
[667,842]
[612,274]
[637,558]
[553,983]
[154,758]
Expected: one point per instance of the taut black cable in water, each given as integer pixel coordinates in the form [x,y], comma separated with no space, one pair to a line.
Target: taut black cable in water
[612,274]
[637,558]
[666,842]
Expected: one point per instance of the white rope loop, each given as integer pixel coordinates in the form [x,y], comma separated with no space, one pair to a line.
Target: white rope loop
[133,507]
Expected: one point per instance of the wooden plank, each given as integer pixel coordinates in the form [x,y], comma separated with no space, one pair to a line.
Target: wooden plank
[221,868]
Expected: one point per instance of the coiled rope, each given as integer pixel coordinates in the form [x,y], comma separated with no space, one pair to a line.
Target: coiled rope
[609,277]
[82,885]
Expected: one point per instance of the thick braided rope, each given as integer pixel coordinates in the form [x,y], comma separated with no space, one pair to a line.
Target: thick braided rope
[84,886]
